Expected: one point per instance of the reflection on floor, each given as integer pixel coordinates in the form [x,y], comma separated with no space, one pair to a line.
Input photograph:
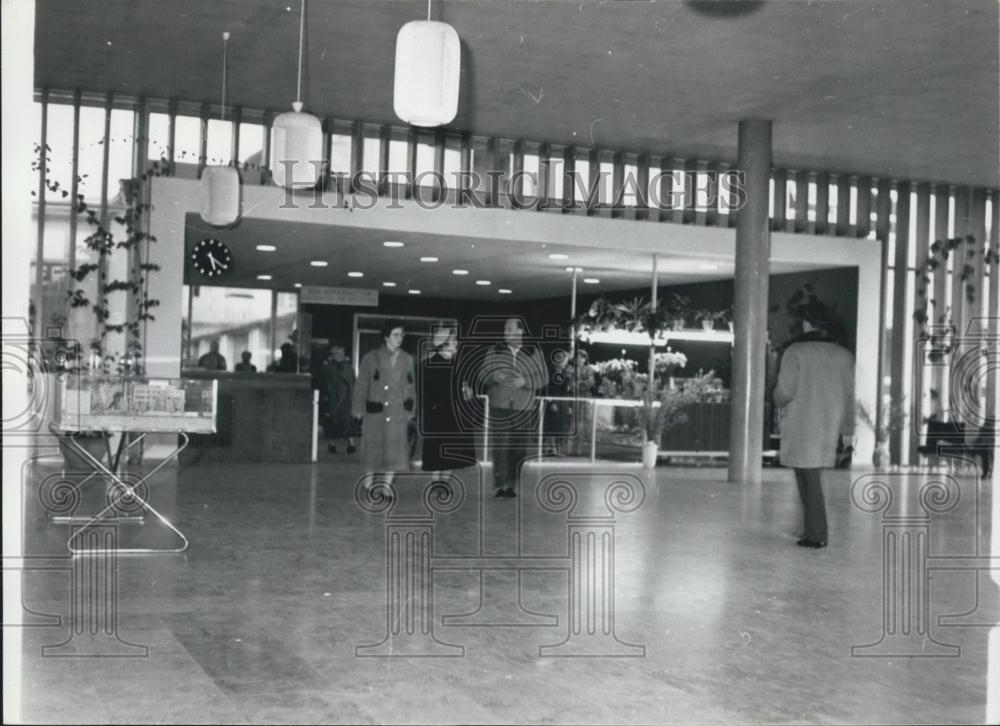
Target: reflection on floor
[294,591]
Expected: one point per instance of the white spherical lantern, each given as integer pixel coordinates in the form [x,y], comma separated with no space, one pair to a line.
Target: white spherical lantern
[220,195]
[296,149]
[428,66]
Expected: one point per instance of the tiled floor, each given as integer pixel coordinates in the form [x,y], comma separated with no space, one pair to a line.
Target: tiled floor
[717,616]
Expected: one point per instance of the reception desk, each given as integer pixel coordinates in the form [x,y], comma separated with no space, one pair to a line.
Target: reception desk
[261,417]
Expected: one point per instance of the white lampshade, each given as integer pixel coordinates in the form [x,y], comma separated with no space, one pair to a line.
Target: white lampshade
[298,137]
[428,66]
[220,195]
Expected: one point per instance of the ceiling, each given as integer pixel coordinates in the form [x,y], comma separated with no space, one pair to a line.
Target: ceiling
[524,268]
[904,88]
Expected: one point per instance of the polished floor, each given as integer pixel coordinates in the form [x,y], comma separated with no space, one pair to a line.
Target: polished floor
[600,595]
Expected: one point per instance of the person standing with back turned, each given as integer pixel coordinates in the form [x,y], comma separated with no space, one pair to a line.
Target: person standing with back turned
[815,392]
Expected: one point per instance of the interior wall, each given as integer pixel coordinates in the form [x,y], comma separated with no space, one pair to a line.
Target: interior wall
[172,198]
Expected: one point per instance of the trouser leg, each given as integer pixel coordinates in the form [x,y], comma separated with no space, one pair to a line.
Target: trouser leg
[814,507]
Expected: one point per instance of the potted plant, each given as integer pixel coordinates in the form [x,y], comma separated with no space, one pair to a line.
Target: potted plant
[706,318]
[666,409]
[892,420]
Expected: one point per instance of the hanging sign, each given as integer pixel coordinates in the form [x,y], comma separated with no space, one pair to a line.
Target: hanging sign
[317,295]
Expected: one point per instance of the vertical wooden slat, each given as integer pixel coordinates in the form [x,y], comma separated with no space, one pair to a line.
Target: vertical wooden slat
[993,310]
[918,404]
[136,255]
[712,194]
[411,163]
[642,165]
[801,222]
[357,154]
[680,190]
[690,193]
[569,178]
[938,309]
[594,185]
[780,199]
[883,210]
[265,171]
[203,139]
[383,159]
[39,322]
[958,260]
[327,181]
[666,201]
[517,171]
[863,216]
[234,145]
[899,340]
[172,137]
[843,205]
[617,200]
[977,228]
[543,191]
[493,180]
[465,166]
[822,203]
[74,187]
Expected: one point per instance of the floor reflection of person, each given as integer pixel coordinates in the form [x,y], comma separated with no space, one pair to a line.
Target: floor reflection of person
[514,375]
[447,444]
[338,384]
[384,398]
[815,391]
[213,360]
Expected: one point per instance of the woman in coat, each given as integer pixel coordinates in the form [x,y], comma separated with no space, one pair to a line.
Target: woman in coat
[338,379]
[815,392]
[447,442]
[384,398]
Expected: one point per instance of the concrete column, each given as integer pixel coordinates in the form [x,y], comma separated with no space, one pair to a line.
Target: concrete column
[753,250]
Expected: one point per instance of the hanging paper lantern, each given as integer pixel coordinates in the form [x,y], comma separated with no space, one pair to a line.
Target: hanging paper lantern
[296,137]
[220,195]
[428,66]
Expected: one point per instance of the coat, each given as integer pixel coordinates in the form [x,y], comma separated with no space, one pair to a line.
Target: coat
[385,399]
[501,364]
[815,392]
[445,417]
[338,379]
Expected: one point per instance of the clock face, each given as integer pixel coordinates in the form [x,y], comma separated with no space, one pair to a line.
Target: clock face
[211,258]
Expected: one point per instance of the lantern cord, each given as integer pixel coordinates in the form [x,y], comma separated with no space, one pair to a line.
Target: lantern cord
[302,33]
[428,9]
[225,62]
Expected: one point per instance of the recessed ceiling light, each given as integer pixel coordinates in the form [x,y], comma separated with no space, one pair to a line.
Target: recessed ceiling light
[572,269]
[298,284]
[319,263]
[428,259]
[504,291]
[591,280]
[266,248]
[388,284]
[414,292]
[558,256]
[484,283]
[393,244]
[263,277]
[355,274]
[460,272]
[708,266]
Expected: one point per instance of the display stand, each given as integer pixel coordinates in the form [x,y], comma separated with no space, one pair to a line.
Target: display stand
[133,407]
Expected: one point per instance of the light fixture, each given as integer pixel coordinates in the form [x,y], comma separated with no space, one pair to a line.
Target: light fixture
[298,284]
[504,291]
[483,283]
[591,280]
[428,259]
[319,263]
[355,274]
[220,184]
[388,284]
[393,244]
[296,137]
[263,277]
[266,248]
[708,266]
[574,269]
[460,272]
[428,70]
[414,292]
[558,256]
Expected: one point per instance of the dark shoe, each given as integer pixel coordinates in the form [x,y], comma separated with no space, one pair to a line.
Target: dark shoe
[810,543]
[501,494]
[351,449]
[331,448]
[509,493]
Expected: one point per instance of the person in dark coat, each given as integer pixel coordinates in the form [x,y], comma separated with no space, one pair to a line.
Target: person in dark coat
[338,382]
[815,391]
[558,414]
[447,444]
[385,399]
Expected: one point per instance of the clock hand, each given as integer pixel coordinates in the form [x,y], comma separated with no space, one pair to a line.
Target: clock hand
[211,258]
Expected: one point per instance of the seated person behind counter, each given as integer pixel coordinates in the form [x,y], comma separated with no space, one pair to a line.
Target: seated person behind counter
[212,360]
[245,366]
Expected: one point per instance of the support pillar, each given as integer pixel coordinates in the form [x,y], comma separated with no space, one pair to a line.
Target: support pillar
[753,250]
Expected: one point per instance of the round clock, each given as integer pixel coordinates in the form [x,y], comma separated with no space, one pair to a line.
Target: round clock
[211,258]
